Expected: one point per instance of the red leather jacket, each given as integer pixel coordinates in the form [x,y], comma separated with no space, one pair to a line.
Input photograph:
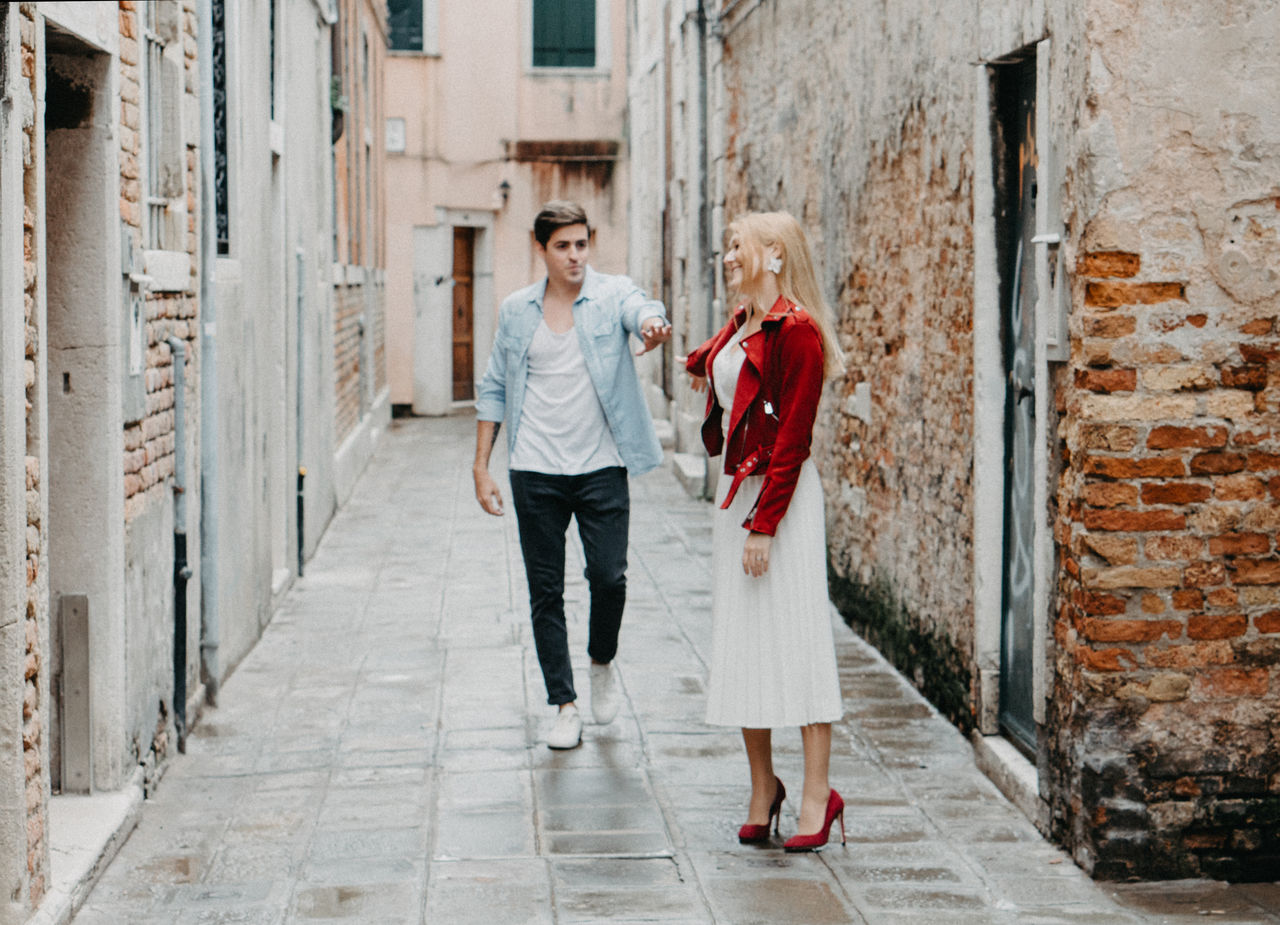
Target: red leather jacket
[774,407]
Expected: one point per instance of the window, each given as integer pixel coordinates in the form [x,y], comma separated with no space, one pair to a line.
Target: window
[564,33]
[163,147]
[221,192]
[412,24]
[405,20]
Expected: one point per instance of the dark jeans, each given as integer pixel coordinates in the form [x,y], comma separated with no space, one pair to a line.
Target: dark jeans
[601,502]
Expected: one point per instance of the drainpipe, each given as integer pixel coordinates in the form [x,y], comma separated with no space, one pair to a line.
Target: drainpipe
[300,408]
[704,183]
[181,570]
[209,629]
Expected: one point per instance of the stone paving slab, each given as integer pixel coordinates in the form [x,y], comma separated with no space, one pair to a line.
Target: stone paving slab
[377,758]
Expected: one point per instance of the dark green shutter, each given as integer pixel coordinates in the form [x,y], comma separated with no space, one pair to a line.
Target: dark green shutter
[564,33]
[405,21]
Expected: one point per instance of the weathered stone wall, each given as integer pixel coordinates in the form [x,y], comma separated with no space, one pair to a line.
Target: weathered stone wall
[862,128]
[1166,746]
[1159,744]
[34,748]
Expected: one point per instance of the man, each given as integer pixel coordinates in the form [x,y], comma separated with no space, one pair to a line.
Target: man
[562,378]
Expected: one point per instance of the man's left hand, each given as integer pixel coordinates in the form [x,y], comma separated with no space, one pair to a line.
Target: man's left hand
[655,332]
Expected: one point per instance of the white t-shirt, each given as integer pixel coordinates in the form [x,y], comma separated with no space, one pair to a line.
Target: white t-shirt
[725,370]
[562,430]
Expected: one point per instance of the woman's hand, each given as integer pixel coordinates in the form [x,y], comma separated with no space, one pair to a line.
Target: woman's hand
[697,383]
[755,554]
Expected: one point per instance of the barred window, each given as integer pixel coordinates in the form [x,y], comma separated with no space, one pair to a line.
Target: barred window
[165,167]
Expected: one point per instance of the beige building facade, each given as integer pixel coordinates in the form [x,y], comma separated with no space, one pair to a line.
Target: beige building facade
[482,126]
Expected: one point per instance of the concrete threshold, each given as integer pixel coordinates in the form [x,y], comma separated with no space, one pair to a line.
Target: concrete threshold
[1013,775]
[85,832]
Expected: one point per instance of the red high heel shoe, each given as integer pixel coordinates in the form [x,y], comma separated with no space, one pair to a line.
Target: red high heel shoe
[753,834]
[835,808]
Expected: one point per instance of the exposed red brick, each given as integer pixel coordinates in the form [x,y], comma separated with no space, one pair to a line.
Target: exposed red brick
[1105,659]
[1107,380]
[1110,494]
[1263,462]
[1234,682]
[1097,630]
[1174,492]
[1258,326]
[1186,787]
[1134,521]
[1239,488]
[1117,438]
[1239,544]
[1205,574]
[1197,320]
[1104,264]
[1223,597]
[1114,295]
[1179,547]
[1257,571]
[1169,437]
[1255,353]
[1153,604]
[1217,626]
[1188,599]
[1253,378]
[1126,468]
[1110,326]
[1194,655]
[1101,604]
[1216,463]
[1268,622]
[1251,437]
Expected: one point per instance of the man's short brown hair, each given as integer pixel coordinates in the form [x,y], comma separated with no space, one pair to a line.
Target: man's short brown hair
[558,213]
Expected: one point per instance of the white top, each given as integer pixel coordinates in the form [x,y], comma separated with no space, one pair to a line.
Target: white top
[563,430]
[724,375]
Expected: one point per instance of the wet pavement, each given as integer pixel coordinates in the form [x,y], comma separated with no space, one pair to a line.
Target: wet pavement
[377,757]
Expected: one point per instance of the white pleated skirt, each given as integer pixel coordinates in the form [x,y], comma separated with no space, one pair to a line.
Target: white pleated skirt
[773,659]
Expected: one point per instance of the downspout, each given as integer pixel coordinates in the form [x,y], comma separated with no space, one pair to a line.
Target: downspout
[704,183]
[209,628]
[181,570]
[300,408]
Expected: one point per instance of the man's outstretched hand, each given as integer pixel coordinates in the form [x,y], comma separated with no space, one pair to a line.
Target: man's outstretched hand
[655,332]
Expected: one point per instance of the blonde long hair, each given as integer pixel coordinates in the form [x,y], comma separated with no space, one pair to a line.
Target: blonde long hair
[759,231]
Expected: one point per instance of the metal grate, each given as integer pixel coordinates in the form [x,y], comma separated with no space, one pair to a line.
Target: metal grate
[221,198]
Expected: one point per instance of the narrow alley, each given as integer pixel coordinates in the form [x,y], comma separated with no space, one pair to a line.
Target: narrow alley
[376,757]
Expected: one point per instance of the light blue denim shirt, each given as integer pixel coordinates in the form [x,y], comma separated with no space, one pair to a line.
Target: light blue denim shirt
[608,311]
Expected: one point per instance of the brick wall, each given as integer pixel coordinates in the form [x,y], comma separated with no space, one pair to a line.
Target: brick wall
[149,443]
[1170,628]
[34,749]
[1164,756]
[887,204]
[348,303]
[905,319]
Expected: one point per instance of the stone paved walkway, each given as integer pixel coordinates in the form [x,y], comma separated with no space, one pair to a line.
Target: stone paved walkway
[377,758]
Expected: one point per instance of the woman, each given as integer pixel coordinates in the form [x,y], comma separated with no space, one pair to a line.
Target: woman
[773,657]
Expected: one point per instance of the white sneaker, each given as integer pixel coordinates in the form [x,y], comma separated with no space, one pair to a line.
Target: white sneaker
[567,731]
[604,693]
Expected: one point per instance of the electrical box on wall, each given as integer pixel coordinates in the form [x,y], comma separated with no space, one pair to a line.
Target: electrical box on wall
[133,297]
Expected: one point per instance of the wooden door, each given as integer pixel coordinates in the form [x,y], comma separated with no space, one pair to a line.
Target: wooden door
[464,251]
